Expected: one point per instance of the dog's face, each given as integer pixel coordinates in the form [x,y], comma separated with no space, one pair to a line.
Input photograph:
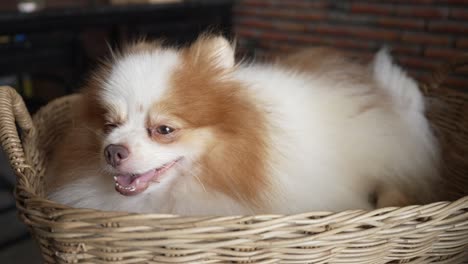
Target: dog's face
[142,140]
[160,110]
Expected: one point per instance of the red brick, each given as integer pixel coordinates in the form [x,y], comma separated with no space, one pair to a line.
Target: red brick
[311,16]
[344,44]
[291,27]
[421,76]
[442,53]
[362,32]
[421,38]
[377,9]
[424,12]
[332,30]
[281,13]
[350,43]
[297,38]
[292,14]
[451,1]
[458,13]
[243,32]
[416,62]
[462,43]
[254,23]
[280,25]
[275,36]
[365,56]
[401,23]
[376,34]
[457,82]
[406,49]
[304,4]
[463,71]
[448,27]
[351,19]
[308,39]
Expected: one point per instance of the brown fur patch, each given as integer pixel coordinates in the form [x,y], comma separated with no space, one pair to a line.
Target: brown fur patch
[313,58]
[392,197]
[329,61]
[80,145]
[202,97]
[342,67]
[82,141]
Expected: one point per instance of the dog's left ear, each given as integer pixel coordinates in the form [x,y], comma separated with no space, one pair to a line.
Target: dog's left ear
[215,50]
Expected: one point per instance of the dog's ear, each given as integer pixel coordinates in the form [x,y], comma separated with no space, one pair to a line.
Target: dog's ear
[215,50]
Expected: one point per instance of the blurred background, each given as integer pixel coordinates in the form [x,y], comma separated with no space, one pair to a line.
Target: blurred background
[48,47]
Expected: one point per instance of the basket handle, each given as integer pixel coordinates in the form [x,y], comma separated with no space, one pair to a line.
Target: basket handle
[13,112]
[441,72]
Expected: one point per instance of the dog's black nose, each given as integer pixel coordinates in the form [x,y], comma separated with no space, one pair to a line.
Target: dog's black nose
[115,154]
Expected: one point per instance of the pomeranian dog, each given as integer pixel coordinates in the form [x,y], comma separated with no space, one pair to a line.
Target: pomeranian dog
[188,131]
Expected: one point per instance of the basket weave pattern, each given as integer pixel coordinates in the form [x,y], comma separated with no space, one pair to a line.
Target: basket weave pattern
[433,233]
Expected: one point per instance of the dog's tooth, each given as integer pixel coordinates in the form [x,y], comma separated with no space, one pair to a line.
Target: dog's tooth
[115,178]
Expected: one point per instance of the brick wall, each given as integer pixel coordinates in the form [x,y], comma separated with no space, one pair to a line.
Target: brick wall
[421,33]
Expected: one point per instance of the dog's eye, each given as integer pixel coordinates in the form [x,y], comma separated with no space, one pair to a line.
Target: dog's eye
[164,130]
[108,127]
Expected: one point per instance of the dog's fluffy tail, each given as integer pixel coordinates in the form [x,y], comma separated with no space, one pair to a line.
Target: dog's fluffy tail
[403,89]
[421,174]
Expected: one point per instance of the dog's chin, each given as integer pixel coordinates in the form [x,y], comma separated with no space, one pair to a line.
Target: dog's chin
[129,184]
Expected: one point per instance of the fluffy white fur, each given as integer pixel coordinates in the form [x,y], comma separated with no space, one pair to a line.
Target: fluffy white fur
[326,155]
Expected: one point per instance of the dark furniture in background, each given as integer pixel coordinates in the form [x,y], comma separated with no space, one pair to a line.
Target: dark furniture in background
[55,48]
[47,54]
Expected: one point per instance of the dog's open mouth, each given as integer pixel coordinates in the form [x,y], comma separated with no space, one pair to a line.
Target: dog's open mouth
[132,184]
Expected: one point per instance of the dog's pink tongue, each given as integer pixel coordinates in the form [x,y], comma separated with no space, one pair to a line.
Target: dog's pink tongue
[128,184]
[124,180]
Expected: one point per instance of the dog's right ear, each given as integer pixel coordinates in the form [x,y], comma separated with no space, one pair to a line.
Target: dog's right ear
[215,50]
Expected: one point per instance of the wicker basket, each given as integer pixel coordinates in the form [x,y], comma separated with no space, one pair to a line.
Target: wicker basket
[433,233]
